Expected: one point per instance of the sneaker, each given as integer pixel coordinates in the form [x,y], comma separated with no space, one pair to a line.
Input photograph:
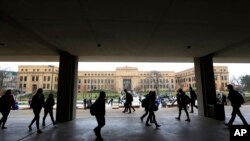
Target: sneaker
[43,124]
[226,124]
[147,124]
[4,127]
[157,126]
[192,112]
[188,120]
[39,131]
[177,118]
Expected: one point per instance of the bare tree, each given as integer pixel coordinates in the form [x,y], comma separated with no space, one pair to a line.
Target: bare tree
[3,76]
[154,78]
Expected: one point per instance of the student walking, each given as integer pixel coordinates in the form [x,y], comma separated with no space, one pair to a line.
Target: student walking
[236,101]
[37,104]
[6,103]
[183,100]
[193,96]
[152,107]
[145,104]
[128,102]
[99,112]
[48,109]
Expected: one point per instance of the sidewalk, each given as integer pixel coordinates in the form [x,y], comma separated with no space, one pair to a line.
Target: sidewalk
[121,127]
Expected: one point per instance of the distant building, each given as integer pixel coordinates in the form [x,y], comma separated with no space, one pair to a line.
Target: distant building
[186,78]
[31,78]
[8,79]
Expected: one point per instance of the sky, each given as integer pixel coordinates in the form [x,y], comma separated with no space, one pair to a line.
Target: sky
[235,70]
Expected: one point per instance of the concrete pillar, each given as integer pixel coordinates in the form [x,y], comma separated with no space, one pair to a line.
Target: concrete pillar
[67,87]
[206,92]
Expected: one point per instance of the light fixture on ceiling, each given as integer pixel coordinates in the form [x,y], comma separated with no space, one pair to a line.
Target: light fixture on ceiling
[99,45]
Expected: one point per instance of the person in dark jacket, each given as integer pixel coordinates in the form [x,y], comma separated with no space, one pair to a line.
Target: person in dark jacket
[37,105]
[146,109]
[99,107]
[233,96]
[48,108]
[193,99]
[183,101]
[7,102]
[152,108]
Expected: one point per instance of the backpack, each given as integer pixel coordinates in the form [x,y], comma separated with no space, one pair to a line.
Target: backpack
[241,99]
[144,103]
[187,99]
[92,110]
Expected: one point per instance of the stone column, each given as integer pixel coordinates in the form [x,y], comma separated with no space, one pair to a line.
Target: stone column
[206,93]
[67,87]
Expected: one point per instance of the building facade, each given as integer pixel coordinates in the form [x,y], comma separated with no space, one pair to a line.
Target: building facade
[186,78]
[32,77]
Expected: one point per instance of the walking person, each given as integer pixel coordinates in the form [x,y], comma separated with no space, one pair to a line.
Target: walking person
[152,107]
[183,100]
[145,104]
[48,109]
[236,100]
[6,103]
[37,104]
[128,102]
[224,99]
[193,96]
[99,110]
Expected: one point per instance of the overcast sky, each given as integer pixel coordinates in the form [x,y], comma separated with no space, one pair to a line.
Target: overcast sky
[234,69]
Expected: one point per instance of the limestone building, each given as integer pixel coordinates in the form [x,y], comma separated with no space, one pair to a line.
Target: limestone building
[32,77]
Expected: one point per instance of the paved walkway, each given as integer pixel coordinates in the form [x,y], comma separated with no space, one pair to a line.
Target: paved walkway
[121,127]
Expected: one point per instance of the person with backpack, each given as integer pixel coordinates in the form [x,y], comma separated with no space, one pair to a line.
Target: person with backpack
[48,109]
[152,108]
[6,103]
[98,110]
[183,101]
[193,96]
[145,105]
[37,105]
[128,102]
[236,101]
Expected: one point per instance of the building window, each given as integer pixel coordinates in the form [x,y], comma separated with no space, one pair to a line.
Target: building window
[79,86]
[21,78]
[37,69]
[44,86]
[26,69]
[44,78]
[33,78]
[79,81]
[34,70]
[48,78]
[45,70]
[25,78]
[37,78]
[21,69]
[48,86]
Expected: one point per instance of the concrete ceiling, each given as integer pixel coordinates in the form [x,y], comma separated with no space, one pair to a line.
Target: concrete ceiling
[125,30]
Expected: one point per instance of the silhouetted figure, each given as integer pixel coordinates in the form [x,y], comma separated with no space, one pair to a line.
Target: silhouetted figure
[193,99]
[29,101]
[99,107]
[145,103]
[224,99]
[85,103]
[7,102]
[152,107]
[111,101]
[182,100]
[48,108]
[37,104]
[236,100]
[128,102]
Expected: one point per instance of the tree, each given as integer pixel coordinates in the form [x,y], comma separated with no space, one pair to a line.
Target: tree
[3,75]
[154,78]
[245,82]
